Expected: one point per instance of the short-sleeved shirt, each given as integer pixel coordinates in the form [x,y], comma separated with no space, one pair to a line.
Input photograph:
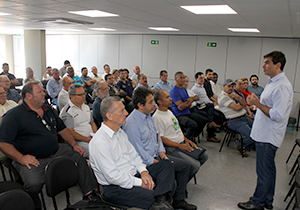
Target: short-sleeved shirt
[12,94]
[98,78]
[163,86]
[29,133]
[9,104]
[179,94]
[77,118]
[127,87]
[10,77]
[85,80]
[224,102]
[62,99]
[77,80]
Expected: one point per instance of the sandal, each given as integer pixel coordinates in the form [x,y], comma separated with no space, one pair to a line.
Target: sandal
[242,151]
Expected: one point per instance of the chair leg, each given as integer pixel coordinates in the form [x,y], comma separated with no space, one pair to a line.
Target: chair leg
[67,196]
[43,200]
[291,153]
[294,165]
[290,202]
[224,140]
[290,191]
[294,174]
[195,179]
[3,173]
[54,203]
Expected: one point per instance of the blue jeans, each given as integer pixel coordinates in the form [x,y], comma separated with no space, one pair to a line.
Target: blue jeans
[266,174]
[243,126]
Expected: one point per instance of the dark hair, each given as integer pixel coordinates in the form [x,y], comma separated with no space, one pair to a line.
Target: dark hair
[107,75]
[105,65]
[66,62]
[157,96]
[72,89]
[208,70]
[253,75]
[120,70]
[139,76]
[161,73]
[107,106]
[140,95]
[83,68]
[276,58]
[198,74]
[127,70]
[176,74]
[48,67]
[27,88]
[215,74]
[4,64]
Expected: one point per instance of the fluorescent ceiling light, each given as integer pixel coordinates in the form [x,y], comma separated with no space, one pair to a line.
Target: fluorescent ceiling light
[251,30]
[163,28]
[209,9]
[93,13]
[102,29]
[3,14]
[68,29]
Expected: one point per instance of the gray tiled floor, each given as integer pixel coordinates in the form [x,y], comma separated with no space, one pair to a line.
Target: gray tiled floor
[225,179]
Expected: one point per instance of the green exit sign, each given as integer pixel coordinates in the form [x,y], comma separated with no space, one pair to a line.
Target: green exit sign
[211,44]
[155,42]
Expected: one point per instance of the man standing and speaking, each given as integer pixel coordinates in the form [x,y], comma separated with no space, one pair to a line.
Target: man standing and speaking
[273,110]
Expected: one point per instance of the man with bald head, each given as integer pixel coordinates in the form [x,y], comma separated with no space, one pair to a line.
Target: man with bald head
[5,104]
[137,72]
[11,94]
[95,75]
[30,76]
[102,91]
[63,96]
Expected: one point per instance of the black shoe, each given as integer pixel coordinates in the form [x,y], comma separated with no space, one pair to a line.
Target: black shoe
[92,197]
[182,204]
[268,206]
[161,206]
[249,206]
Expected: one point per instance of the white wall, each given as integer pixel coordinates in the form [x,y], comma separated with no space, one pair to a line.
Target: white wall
[234,57]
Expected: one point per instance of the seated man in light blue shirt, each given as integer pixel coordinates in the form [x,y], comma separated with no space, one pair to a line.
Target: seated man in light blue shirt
[143,82]
[163,84]
[54,86]
[254,87]
[143,135]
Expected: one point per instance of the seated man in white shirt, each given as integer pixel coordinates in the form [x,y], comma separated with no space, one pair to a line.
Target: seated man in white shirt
[214,85]
[5,105]
[63,96]
[77,117]
[120,170]
[171,134]
[232,106]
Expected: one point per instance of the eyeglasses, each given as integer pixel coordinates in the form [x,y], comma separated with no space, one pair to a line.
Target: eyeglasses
[79,94]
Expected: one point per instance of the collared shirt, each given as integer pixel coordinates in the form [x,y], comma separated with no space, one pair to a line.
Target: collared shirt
[113,158]
[278,96]
[258,90]
[77,118]
[168,126]
[243,97]
[140,85]
[191,94]
[215,88]
[63,98]
[9,104]
[224,102]
[12,94]
[127,87]
[29,133]
[53,89]
[76,80]
[96,111]
[10,77]
[98,77]
[134,78]
[142,134]
[163,86]
[85,80]
[201,93]
[34,77]
[179,94]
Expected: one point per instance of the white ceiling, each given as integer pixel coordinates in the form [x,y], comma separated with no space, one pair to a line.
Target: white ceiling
[274,18]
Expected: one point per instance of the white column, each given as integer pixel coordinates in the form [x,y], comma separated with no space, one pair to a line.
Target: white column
[35,51]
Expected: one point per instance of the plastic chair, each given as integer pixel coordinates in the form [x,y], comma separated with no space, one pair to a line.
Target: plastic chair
[8,200]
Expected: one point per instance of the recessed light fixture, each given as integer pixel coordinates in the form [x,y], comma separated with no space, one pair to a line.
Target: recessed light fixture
[250,30]
[3,14]
[69,29]
[102,29]
[209,9]
[93,13]
[163,28]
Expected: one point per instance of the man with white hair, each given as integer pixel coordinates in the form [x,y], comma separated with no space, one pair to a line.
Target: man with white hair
[102,92]
[11,94]
[5,105]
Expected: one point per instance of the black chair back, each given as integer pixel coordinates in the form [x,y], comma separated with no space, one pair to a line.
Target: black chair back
[15,200]
[61,174]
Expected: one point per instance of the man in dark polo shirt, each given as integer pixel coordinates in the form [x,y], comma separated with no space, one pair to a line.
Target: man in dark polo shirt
[28,136]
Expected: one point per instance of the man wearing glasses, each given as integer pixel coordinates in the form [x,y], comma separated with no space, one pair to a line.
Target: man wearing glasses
[102,92]
[77,117]
[11,94]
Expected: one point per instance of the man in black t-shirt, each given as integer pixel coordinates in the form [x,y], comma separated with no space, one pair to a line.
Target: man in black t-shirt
[28,136]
